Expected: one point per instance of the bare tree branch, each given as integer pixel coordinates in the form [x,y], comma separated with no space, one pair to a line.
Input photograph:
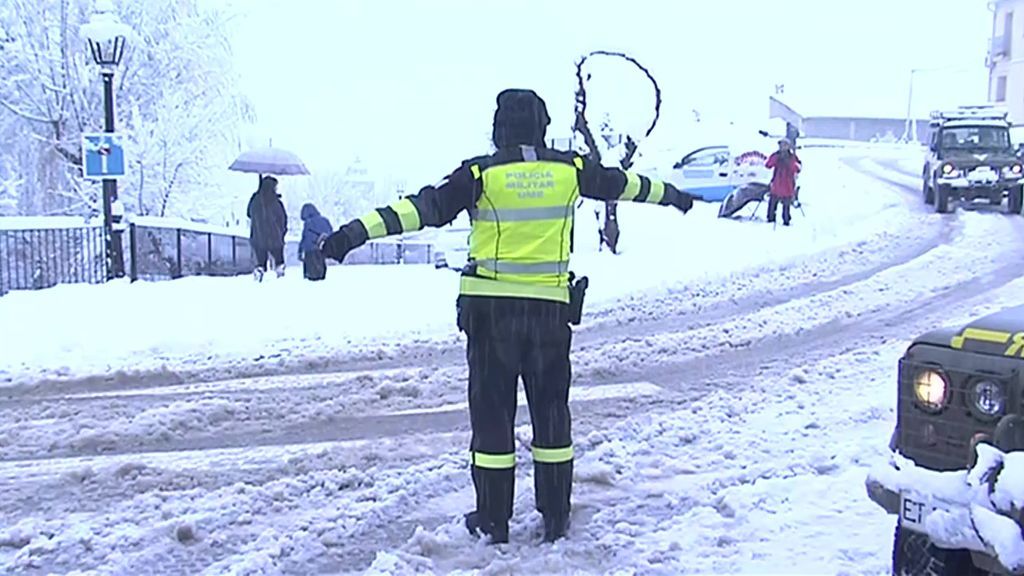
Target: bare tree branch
[170,188]
[581,110]
[23,114]
[610,231]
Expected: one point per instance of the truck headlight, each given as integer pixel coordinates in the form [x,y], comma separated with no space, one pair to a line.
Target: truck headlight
[988,397]
[1013,171]
[949,171]
[931,389]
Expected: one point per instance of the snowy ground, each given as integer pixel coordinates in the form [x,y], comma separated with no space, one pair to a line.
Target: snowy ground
[732,388]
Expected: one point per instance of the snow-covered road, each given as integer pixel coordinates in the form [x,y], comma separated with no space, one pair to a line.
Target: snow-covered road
[721,428]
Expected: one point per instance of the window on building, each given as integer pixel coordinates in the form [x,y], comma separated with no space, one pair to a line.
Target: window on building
[1000,89]
[1008,34]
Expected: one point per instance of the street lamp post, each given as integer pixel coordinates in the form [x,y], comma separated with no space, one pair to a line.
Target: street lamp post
[910,99]
[107,36]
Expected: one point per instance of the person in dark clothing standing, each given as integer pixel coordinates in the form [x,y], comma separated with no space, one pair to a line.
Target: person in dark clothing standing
[792,133]
[268,223]
[314,266]
[517,297]
[785,165]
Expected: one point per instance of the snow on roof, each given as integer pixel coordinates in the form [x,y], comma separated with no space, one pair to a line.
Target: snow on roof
[966,123]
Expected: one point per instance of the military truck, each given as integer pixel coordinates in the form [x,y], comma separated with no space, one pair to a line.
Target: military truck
[971,157]
[959,430]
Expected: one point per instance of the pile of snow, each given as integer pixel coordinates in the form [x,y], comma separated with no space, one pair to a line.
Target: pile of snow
[975,509]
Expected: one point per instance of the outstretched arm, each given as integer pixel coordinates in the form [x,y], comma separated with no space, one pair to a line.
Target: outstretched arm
[432,206]
[602,183]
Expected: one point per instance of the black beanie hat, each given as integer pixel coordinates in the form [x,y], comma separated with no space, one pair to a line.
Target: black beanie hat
[521,118]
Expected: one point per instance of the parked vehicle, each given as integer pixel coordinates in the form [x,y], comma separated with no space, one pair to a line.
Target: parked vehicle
[971,157]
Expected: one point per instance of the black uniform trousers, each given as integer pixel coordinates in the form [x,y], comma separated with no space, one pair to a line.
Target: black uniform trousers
[510,338]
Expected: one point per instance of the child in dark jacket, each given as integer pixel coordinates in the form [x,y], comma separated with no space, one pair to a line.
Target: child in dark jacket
[314,266]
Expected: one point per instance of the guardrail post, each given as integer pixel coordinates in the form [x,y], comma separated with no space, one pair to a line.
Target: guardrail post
[133,238]
[179,271]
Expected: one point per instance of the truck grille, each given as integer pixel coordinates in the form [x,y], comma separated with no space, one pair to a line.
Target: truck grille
[941,440]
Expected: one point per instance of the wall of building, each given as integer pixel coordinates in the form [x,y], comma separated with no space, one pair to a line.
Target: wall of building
[1006,58]
[864,129]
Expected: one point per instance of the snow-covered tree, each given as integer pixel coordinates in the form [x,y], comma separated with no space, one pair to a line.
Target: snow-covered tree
[339,194]
[177,102]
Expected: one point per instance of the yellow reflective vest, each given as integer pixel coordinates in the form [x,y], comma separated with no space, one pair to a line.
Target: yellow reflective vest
[522,223]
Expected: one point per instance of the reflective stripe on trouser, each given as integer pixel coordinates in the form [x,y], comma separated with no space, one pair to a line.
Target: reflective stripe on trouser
[502,346]
[493,461]
[552,455]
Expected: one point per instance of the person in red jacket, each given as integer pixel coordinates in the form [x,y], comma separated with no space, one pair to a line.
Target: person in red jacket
[786,165]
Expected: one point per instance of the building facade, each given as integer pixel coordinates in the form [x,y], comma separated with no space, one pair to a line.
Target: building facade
[1005,57]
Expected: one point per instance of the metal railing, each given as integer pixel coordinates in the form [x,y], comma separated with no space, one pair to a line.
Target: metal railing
[166,253]
[35,258]
[158,253]
[31,259]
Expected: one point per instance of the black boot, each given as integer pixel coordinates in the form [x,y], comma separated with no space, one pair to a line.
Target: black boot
[555,527]
[476,525]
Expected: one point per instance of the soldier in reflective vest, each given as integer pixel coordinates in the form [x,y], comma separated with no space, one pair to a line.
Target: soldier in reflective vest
[514,295]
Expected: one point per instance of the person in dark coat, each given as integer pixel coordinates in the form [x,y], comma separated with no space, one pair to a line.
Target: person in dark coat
[268,223]
[314,266]
[785,165]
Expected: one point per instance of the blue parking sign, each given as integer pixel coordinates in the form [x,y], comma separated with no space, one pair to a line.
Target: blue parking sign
[102,155]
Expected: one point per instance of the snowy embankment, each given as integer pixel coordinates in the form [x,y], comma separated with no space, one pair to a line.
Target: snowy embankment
[236,327]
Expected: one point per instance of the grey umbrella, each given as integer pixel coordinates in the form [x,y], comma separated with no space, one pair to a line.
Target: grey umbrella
[269,161]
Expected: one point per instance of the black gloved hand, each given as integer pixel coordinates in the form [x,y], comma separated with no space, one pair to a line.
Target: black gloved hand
[680,199]
[335,246]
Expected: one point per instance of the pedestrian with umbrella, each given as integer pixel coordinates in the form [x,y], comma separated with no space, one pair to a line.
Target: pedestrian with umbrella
[268,220]
[268,223]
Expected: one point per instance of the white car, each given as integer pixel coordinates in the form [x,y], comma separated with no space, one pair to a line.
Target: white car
[713,172]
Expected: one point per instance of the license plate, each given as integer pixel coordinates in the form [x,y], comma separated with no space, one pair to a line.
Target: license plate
[913,513]
[985,174]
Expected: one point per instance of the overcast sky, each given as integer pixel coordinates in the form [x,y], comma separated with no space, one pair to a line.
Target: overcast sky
[409,85]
